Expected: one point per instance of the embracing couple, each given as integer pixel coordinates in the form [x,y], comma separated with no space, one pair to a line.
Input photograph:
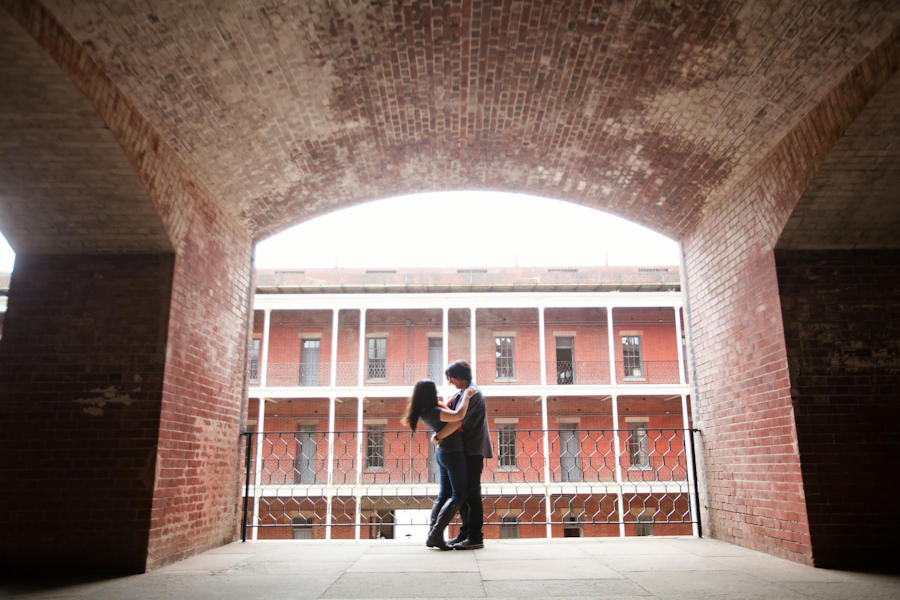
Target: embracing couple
[461,435]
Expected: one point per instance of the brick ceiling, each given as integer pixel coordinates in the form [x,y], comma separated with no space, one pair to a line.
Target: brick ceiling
[288,110]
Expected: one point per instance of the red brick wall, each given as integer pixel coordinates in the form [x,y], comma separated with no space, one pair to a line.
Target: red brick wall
[81,386]
[195,481]
[842,326]
[754,487]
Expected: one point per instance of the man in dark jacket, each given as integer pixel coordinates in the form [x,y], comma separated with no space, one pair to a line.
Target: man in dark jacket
[477,444]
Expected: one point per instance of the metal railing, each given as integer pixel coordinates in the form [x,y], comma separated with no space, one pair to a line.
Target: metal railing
[510,373]
[346,479]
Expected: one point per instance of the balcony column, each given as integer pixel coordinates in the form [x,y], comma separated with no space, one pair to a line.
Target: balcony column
[260,459]
[681,365]
[543,351]
[545,423]
[445,342]
[612,349]
[264,358]
[334,348]
[688,455]
[357,490]
[362,347]
[329,489]
[617,448]
[472,344]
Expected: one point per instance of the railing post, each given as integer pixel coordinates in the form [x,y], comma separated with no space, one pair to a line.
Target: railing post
[329,487]
[618,450]
[472,345]
[247,461]
[362,346]
[260,461]
[334,349]
[546,425]
[612,347]
[360,427]
[264,359]
[542,344]
[681,378]
[445,344]
[689,460]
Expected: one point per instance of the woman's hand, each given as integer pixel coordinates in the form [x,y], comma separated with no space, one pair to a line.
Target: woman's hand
[470,391]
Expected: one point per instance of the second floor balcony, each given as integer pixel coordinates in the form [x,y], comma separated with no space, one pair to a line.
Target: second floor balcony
[558,373]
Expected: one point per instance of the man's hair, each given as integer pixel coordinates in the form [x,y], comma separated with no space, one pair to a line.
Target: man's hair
[459,369]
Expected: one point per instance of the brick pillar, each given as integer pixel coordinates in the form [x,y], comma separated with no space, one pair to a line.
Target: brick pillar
[755,470]
[842,327]
[81,385]
[151,475]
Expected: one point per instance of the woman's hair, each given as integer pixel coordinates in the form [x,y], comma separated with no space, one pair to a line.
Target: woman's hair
[424,396]
[459,369]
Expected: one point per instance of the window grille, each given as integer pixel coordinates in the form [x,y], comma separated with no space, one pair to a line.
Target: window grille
[638,445]
[374,446]
[376,366]
[631,353]
[509,527]
[505,357]
[506,437]
[644,526]
[254,360]
[302,530]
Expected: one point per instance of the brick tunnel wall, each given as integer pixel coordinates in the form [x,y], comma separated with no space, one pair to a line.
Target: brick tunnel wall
[754,493]
[842,326]
[189,498]
[81,379]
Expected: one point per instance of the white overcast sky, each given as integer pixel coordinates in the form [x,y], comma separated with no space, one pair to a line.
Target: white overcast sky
[459,229]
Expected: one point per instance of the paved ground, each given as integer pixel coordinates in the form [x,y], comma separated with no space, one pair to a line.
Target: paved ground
[634,568]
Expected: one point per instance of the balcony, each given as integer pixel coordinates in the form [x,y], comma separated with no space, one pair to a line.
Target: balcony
[559,373]
[599,480]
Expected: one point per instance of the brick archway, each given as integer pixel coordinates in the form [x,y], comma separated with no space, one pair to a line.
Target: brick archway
[703,123]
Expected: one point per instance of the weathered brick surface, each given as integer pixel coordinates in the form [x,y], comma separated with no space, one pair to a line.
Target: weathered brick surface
[196,468]
[754,486]
[639,108]
[81,386]
[842,328]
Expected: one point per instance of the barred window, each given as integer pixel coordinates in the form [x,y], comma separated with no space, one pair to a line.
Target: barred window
[377,359]
[254,360]
[638,445]
[509,527]
[309,363]
[374,446]
[507,445]
[505,355]
[631,354]
[644,526]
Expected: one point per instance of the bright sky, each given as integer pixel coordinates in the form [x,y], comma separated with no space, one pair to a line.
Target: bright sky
[458,229]
[465,229]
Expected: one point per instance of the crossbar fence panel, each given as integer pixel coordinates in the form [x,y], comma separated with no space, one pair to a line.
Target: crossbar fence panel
[396,472]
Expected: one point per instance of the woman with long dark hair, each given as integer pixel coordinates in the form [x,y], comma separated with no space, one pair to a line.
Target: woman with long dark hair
[424,405]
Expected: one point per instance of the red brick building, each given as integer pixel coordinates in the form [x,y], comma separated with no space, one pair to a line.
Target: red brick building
[583,370]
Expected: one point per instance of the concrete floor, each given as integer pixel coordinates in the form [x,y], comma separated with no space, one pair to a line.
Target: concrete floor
[634,568]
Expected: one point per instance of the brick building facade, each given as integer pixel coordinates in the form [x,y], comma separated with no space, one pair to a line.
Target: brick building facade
[590,437]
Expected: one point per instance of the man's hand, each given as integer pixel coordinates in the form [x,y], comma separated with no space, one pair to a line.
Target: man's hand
[435,441]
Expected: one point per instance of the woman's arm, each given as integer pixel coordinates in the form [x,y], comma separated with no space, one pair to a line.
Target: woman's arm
[457,414]
[444,432]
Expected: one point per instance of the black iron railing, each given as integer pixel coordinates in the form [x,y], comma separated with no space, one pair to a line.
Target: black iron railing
[315,481]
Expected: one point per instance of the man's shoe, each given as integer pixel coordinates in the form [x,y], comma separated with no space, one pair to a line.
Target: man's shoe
[468,544]
[459,538]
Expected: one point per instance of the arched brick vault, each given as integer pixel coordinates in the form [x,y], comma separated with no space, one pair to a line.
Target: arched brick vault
[704,121]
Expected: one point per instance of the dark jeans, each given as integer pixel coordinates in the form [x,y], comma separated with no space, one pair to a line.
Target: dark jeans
[472,512]
[452,466]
